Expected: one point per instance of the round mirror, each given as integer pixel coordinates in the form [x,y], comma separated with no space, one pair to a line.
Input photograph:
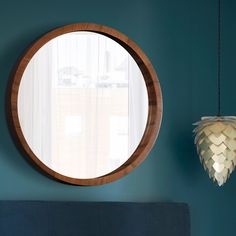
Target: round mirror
[86,104]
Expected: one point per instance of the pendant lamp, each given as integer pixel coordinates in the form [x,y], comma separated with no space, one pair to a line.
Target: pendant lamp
[215,136]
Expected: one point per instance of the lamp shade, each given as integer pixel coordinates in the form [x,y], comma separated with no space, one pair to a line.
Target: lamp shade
[216,146]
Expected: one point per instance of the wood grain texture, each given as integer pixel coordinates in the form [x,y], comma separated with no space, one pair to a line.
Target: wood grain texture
[154,103]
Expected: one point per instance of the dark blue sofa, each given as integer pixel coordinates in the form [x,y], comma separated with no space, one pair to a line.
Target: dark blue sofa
[39,218]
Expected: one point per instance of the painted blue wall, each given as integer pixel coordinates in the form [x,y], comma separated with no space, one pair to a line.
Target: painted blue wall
[180,39]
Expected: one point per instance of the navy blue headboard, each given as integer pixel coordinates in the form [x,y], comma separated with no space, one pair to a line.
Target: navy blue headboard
[37,218]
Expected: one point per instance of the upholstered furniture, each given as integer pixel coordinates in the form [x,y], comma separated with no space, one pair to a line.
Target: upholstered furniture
[39,218]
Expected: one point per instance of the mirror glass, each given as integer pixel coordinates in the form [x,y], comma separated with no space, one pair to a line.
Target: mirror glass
[82,104]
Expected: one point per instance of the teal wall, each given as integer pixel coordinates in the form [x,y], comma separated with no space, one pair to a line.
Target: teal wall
[179,37]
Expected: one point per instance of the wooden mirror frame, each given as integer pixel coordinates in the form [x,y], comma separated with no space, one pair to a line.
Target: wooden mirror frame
[154,102]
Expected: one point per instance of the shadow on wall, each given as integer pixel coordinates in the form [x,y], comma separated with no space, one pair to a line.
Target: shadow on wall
[183,148]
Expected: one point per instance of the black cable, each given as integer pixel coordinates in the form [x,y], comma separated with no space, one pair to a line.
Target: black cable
[219,59]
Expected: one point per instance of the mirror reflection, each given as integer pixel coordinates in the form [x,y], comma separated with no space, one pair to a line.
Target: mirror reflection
[82,105]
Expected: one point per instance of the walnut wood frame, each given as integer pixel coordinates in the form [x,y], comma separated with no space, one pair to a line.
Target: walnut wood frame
[154,97]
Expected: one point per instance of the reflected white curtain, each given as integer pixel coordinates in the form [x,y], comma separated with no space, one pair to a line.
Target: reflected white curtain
[34,103]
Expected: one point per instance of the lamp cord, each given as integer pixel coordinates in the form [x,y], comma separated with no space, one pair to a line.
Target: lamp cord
[219,59]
